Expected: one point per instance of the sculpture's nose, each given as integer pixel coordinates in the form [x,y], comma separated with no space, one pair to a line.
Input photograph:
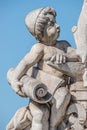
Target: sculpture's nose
[57,26]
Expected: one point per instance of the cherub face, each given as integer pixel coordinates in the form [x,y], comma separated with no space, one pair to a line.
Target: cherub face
[52,30]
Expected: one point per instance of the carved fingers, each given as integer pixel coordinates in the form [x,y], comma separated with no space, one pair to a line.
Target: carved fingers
[20,93]
[16,85]
[58,59]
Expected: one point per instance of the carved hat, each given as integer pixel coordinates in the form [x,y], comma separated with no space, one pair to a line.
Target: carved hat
[35,19]
[31,19]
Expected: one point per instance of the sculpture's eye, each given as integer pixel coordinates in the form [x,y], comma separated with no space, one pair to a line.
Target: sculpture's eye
[50,23]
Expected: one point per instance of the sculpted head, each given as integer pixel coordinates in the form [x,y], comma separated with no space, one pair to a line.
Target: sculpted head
[41,23]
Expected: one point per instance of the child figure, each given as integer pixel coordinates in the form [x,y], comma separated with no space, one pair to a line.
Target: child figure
[41,23]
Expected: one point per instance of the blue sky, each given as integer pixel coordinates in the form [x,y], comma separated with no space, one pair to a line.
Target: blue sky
[16,41]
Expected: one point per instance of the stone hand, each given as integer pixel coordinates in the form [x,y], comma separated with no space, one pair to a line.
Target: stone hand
[58,59]
[16,85]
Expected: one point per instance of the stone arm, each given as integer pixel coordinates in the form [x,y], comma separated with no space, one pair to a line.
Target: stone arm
[15,74]
[71,66]
[66,54]
[71,54]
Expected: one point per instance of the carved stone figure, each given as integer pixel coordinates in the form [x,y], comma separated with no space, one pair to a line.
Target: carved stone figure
[51,75]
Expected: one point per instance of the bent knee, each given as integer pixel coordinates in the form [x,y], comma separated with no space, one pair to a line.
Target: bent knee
[38,109]
[37,118]
[10,125]
[61,93]
[39,112]
[62,98]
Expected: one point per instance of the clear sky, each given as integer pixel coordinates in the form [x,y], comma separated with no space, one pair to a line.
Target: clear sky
[16,41]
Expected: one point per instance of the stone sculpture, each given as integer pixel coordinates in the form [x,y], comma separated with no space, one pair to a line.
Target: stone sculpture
[51,75]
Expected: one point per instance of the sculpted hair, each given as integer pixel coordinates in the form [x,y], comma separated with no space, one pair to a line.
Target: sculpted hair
[41,20]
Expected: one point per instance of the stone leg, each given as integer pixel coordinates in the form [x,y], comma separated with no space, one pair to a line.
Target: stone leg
[10,126]
[40,115]
[58,109]
[21,120]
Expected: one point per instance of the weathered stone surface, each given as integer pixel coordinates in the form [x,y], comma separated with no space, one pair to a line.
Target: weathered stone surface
[52,75]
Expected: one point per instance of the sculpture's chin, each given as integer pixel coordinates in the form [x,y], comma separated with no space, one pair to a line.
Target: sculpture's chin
[53,38]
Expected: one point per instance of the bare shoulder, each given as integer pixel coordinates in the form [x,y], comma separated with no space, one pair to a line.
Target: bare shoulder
[63,45]
[39,47]
[34,54]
